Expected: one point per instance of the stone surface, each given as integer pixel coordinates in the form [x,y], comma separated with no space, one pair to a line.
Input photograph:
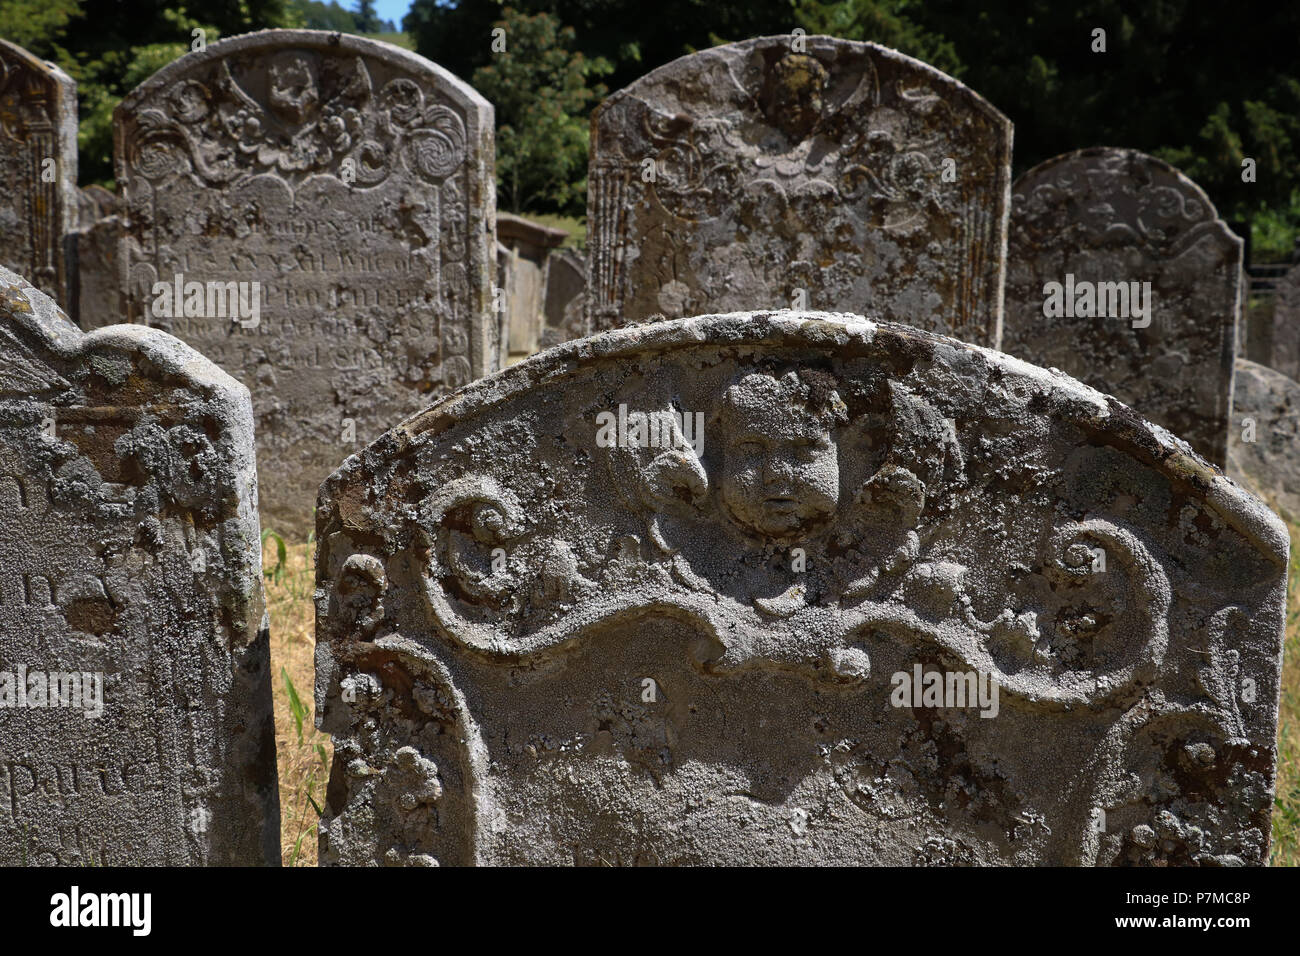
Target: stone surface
[799,172]
[95,289]
[1284,354]
[1264,451]
[94,202]
[528,245]
[354,181]
[38,168]
[534,646]
[1119,216]
[130,558]
[566,291]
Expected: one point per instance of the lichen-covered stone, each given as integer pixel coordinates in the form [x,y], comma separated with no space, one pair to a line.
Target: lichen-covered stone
[38,168]
[799,172]
[1115,217]
[130,579]
[1264,452]
[543,640]
[354,182]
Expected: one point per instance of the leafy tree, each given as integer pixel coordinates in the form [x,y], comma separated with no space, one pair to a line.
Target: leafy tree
[36,25]
[110,46]
[886,22]
[633,36]
[366,19]
[324,16]
[1198,85]
[540,90]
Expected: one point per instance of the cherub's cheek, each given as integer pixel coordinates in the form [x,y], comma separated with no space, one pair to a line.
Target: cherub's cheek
[821,476]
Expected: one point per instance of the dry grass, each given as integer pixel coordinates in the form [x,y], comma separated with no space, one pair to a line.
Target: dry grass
[302,753]
[304,759]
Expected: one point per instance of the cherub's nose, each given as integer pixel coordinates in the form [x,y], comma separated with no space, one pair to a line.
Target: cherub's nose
[775,469]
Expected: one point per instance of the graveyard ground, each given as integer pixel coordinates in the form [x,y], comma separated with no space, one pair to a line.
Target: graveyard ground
[304,754]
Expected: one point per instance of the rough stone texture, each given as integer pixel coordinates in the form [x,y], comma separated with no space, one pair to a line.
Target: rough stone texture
[778,171]
[1285,343]
[129,548]
[95,290]
[494,588]
[1266,407]
[38,168]
[566,291]
[354,181]
[1117,215]
[528,245]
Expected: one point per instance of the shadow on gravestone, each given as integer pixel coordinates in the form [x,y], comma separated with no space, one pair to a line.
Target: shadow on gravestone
[313,212]
[681,593]
[38,167]
[135,683]
[1264,445]
[799,172]
[1147,287]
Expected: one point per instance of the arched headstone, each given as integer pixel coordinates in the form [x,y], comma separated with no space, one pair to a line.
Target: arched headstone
[1121,273]
[799,172]
[353,182]
[793,588]
[136,723]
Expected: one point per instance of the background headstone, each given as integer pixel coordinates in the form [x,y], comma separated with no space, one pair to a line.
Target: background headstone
[1119,216]
[95,290]
[529,245]
[804,172]
[543,641]
[566,291]
[1285,342]
[501,296]
[130,562]
[38,168]
[354,182]
[1264,450]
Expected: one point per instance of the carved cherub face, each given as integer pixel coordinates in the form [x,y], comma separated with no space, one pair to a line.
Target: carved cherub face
[794,99]
[292,91]
[780,473]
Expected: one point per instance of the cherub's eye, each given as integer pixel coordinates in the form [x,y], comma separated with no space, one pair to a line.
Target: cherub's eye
[748,447]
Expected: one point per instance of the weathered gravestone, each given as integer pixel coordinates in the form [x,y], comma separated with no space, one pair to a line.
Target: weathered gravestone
[1120,273]
[95,289]
[135,699]
[352,181]
[1264,450]
[804,172]
[528,245]
[542,639]
[566,290]
[38,167]
[1285,340]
